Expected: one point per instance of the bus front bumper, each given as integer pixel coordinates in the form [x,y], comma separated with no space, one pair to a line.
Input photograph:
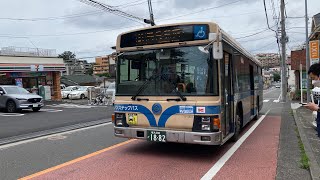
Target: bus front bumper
[211,138]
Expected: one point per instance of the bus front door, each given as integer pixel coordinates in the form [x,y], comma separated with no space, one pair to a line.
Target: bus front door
[227,94]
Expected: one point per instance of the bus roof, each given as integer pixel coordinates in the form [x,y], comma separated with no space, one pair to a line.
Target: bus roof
[226,37]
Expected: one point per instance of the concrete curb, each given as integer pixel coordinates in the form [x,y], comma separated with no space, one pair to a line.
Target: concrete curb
[314,166]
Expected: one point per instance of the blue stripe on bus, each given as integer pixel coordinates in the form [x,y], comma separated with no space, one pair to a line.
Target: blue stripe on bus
[137,108]
[177,109]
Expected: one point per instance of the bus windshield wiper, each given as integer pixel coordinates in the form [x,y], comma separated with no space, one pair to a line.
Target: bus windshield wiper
[173,85]
[144,86]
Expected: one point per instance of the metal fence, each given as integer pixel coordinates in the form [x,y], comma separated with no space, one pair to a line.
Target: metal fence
[95,96]
[100,96]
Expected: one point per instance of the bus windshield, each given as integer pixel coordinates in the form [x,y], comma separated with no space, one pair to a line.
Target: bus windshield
[189,70]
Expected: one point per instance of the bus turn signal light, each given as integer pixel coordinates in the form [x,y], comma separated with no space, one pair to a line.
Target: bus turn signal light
[112,118]
[216,123]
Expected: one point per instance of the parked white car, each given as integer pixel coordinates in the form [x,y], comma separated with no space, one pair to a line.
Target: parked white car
[81,93]
[62,86]
[111,89]
[65,92]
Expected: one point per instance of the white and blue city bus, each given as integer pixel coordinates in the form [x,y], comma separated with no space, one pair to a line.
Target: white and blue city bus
[185,83]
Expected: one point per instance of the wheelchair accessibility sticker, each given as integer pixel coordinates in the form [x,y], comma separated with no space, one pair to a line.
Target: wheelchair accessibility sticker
[200,32]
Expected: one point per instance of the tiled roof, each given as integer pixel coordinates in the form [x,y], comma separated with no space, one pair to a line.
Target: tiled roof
[79,79]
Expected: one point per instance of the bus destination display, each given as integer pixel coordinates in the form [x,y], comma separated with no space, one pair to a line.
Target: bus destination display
[163,35]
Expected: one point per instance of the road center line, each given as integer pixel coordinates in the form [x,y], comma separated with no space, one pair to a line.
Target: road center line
[220,163]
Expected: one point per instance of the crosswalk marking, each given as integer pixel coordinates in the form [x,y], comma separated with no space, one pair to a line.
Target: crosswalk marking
[271,100]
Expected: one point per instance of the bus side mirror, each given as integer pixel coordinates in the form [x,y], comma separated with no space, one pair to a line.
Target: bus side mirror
[217,50]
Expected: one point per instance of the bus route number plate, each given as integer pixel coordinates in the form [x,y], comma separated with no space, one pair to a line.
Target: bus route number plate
[156,136]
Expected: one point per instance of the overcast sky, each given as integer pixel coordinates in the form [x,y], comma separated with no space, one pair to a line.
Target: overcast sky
[87,31]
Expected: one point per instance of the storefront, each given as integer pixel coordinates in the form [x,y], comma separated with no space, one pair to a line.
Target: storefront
[32,72]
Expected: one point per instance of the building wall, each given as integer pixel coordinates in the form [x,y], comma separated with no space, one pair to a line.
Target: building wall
[291,78]
[56,86]
[268,59]
[103,65]
[33,71]
[30,60]
[297,57]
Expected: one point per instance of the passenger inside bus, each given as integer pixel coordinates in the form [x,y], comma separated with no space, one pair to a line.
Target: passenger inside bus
[190,88]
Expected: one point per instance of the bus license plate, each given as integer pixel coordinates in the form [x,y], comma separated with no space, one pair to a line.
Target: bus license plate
[156,136]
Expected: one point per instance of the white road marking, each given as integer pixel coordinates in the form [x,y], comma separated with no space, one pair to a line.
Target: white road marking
[219,164]
[266,100]
[51,110]
[276,101]
[49,136]
[66,105]
[11,114]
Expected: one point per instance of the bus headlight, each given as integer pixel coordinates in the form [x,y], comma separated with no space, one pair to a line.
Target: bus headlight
[119,119]
[205,119]
[119,122]
[205,127]
[206,123]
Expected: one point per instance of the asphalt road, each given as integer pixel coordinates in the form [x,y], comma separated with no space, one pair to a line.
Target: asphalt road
[49,117]
[25,158]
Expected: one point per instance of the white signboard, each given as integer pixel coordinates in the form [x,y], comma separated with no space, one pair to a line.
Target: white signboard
[36,67]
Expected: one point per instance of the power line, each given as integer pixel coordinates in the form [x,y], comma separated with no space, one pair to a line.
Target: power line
[276,32]
[66,34]
[128,4]
[76,15]
[199,11]
[54,18]
[112,10]
[251,40]
[263,46]
[106,30]
[253,34]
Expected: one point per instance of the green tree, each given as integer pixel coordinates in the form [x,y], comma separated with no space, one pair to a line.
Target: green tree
[67,55]
[104,75]
[90,71]
[276,77]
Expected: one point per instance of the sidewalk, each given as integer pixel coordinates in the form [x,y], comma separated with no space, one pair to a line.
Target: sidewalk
[303,118]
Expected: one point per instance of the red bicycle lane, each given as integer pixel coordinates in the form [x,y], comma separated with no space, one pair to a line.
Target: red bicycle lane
[255,159]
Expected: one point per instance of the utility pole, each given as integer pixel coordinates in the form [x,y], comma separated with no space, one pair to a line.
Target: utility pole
[151,21]
[283,56]
[307,52]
